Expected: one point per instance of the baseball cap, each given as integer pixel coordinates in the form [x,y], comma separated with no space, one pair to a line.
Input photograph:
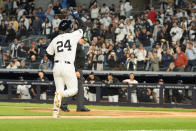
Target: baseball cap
[180,81]
[161,80]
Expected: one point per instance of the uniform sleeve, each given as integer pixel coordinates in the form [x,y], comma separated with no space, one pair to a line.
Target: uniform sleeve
[78,34]
[18,89]
[50,49]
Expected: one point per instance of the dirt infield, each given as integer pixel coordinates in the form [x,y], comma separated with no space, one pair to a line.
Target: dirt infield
[108,114]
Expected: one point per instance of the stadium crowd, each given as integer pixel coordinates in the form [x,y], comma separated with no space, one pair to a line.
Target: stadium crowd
[117,38]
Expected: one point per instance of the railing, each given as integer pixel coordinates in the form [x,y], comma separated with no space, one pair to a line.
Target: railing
[101,88]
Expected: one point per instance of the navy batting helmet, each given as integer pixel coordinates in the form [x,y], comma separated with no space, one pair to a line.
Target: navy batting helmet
[65,25]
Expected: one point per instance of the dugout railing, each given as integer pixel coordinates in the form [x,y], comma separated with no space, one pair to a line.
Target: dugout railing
[11,96]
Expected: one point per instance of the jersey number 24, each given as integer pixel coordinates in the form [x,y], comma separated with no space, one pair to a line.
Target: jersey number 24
[61,46]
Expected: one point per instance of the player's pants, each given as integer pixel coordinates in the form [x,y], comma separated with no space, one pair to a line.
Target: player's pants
[26,96]
[113,98]
[43,96]
[64,74]
[92,96]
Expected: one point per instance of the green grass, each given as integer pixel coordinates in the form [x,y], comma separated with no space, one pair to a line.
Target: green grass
[97,124]
[20,109]
[118,124]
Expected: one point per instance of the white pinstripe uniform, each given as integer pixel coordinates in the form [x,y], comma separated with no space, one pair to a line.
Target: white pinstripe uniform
[63,47]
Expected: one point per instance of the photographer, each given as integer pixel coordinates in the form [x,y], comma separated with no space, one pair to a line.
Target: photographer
[112,59]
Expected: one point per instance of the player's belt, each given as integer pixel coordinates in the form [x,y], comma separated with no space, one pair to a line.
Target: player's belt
[67,62]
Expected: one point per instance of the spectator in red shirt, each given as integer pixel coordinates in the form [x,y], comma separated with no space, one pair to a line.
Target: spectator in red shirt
[180,59]
[152,14]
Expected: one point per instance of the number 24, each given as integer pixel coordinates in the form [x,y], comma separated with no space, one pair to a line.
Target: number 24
[66,45]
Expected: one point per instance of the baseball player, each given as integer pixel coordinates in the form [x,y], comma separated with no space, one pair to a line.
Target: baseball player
[130,81]
[63,49]
[23,90]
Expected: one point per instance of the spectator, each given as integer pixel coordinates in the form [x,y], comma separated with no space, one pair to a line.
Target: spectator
[154,62]
[42,47]
[10,34]
[152,14]
[45,63]
[11,65]
[33,50]
[131,62]
[23,65]
[180,60]
[141,55]
[176,33]
[16,62]
[22,31]
[127,7]
[100,61]
[57,7]
[131,81]
[113,93]
[47,27]
[50,13]
[112,59]
[26,21]
[191,55]
[14,48]
[7,58]
[40,13]
[34,64]
[104,9]
[166,58]
[37,26]
[171,67]
[22,50]
[55,22]
[3,29]
[94,11]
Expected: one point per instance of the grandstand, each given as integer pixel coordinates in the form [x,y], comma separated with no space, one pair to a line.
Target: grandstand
[121,38]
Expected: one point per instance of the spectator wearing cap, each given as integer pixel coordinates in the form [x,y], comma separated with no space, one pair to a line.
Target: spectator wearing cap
[113,93]
[180,59]
[130,81]
[191,55]
[120,33]
[92,90]
[23,90]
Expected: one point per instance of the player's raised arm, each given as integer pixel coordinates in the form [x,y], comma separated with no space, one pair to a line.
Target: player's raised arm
[81,25]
